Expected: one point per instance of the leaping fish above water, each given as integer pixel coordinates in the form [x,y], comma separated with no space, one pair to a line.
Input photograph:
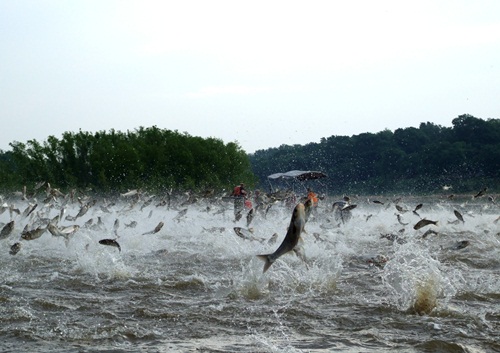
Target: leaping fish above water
[116,225]
[6,230]
[32,234]
[130,193]
[459,216]
[480,193]
[400,209]
[29,210]
[246,234]
[429,232]
[291,239]
[181,214]
[14,249]
[424,222]
[156,230]
[132,224]
[348,207]
[110,242]
[55,231]
[250,216]
[400,220]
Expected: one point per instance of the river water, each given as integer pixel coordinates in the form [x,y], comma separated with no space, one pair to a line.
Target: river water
[196,286]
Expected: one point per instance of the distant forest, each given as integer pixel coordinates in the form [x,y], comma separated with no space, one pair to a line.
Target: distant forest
[151,159]
[408,160]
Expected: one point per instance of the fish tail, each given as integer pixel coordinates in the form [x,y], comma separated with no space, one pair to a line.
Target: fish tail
[268,261]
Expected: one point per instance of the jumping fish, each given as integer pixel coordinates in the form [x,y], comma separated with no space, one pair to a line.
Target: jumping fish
[429,232]
[33,233]
[156,230]
[88,223]
[14,249]
[348,207]
[480,193]
[181,214]
[400,221]
[146,203]
[424,222]
[132,224]
[116,225]
[82,211]
[459,216]
[29,210]
[39,185]
[458,245]
[70,230]
[55,231]
[462,244]
[130,193]
[214,229]
[110,242]
[6,230]
[292,237]
[246,234]
[250,216]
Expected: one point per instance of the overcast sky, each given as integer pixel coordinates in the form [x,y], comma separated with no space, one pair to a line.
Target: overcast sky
[262,73]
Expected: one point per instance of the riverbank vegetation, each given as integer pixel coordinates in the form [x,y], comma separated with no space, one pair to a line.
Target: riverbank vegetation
[148,158]
[409,160]
[412,160]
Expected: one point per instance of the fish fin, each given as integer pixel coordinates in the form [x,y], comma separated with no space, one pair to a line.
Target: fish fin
[267,260]
[299,251]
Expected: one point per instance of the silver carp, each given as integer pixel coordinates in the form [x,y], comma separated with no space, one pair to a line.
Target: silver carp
[291,239]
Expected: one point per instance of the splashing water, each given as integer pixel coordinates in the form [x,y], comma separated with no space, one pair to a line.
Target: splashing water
[370,284]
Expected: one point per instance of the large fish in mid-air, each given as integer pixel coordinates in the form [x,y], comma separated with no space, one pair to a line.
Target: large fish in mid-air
[291,239]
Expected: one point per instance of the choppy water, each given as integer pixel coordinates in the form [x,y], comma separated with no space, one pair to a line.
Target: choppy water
[192,288]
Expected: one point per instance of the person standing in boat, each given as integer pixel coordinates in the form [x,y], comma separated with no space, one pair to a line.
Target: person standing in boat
[239,194]
[311,195]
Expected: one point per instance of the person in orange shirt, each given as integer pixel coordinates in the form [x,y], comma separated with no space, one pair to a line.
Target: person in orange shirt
[312,196]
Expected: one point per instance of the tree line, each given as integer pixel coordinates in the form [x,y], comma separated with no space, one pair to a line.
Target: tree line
[409,160]
[113,161]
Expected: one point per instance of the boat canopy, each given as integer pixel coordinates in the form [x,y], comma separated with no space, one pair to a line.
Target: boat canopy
[299,175]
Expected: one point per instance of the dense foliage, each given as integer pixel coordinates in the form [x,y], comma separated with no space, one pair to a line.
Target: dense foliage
[148,158]
[408,160]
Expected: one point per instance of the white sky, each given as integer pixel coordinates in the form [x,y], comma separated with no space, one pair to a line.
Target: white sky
[262,73]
